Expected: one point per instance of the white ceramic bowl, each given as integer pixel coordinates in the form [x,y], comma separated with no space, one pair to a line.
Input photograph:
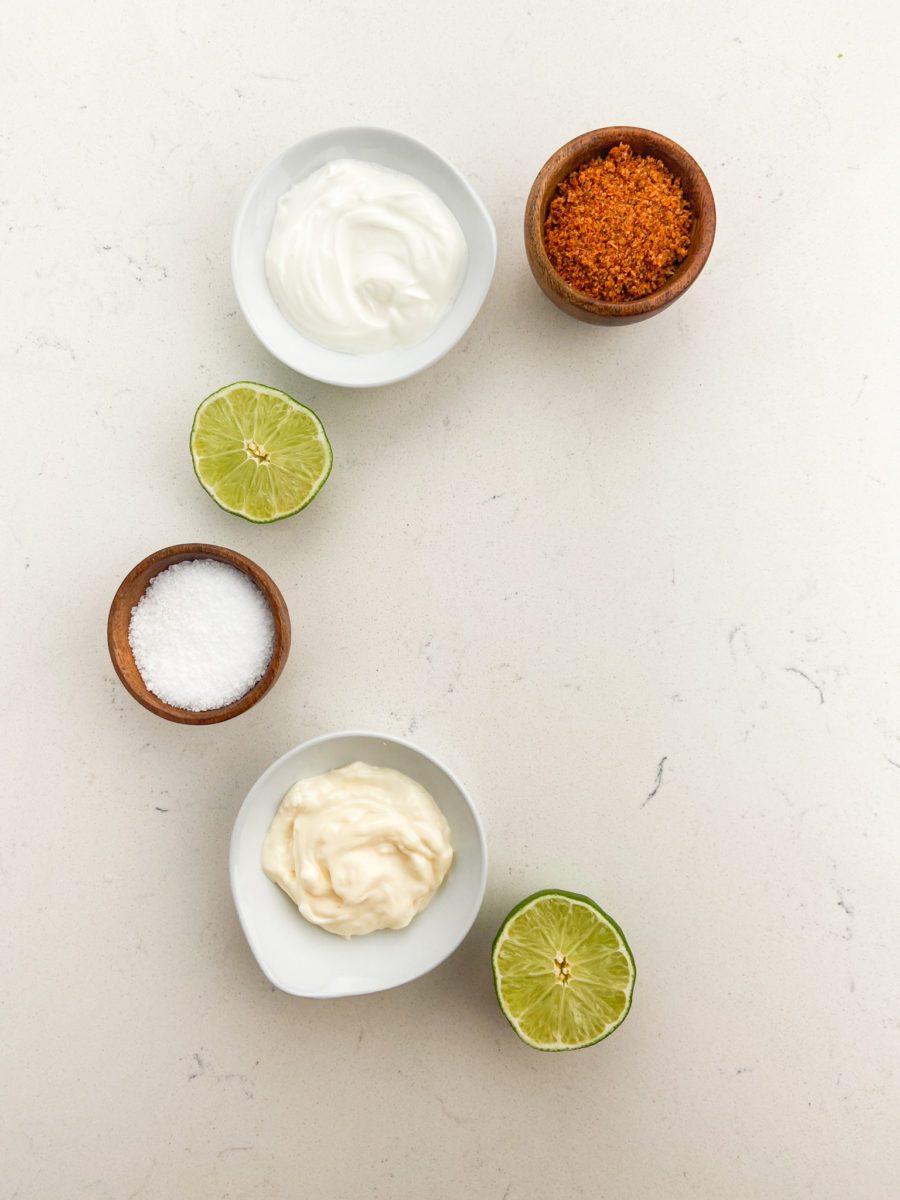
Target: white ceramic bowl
[254,225]
[304,960]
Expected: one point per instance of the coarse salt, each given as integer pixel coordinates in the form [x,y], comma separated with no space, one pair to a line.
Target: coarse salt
[202,634]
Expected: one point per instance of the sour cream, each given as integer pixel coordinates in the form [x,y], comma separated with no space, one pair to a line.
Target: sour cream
[358,849]
[362,258]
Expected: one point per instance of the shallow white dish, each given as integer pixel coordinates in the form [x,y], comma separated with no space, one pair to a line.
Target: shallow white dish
[254,225]
[302,959]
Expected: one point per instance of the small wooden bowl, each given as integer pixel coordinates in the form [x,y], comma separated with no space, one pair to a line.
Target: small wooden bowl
[129,593]
[575,154]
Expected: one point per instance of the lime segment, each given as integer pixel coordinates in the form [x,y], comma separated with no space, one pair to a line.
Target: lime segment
[258,452]
[563,972]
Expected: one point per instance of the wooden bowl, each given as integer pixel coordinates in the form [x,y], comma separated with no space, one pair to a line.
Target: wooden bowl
[575,154]
[129,593]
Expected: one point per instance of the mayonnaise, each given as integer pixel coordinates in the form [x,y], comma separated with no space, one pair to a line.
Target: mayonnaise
[358,849]
[362,258]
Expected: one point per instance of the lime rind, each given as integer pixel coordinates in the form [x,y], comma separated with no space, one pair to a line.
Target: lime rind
[597,998]
[300,456]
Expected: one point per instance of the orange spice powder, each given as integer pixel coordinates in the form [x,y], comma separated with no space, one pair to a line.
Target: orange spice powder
[618,226]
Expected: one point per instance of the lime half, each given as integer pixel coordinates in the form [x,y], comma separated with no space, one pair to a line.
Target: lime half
[563,971]
[259,453]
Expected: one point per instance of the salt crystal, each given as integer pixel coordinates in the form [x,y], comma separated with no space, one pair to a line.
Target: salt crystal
[202,634]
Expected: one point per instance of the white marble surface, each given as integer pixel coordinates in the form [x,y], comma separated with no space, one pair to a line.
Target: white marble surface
[638,588]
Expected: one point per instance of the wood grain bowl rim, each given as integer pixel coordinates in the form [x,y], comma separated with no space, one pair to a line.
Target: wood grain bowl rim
[574,154]
[129,593]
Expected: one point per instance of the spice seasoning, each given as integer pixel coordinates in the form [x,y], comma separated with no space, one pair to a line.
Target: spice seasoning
[202,634]
[618,226]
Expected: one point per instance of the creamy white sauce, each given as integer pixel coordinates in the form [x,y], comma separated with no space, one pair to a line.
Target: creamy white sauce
[362,258]
[358,849]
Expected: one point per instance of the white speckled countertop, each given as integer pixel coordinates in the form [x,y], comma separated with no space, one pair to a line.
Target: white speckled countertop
[638,588]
